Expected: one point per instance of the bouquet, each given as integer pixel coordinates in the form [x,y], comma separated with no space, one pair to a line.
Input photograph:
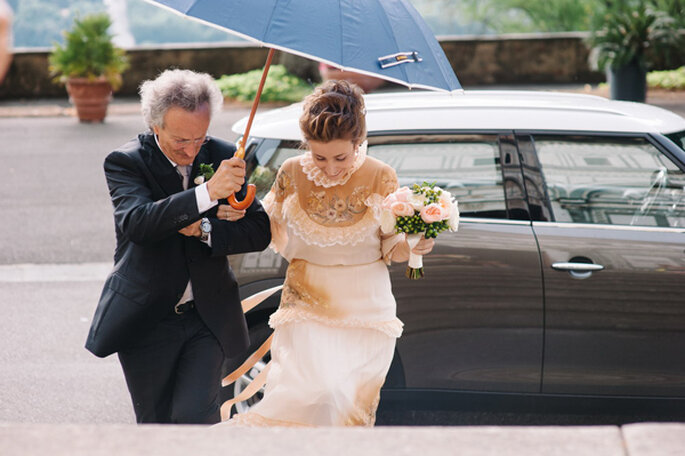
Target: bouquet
[420,210]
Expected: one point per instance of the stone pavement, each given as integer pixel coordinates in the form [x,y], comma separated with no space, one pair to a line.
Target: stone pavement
[149,440]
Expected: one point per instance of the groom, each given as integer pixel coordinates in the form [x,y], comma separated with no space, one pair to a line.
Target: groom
[170,307]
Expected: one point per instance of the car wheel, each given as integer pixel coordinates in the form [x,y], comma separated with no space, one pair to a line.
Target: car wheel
[259,332]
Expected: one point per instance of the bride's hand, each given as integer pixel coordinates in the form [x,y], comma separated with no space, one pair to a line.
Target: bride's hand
[226,212]
[424,246]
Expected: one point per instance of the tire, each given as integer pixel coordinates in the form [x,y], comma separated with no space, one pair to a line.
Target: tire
[259,332]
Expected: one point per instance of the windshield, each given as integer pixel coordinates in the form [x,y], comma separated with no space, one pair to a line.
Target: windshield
[678,138]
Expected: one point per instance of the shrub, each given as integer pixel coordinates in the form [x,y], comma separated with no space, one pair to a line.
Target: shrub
[280,86]
[670,80]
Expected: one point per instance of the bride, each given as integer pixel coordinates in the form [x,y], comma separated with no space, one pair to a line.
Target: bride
[336,326]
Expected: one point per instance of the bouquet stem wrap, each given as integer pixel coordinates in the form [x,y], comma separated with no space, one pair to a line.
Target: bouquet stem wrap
[415,264]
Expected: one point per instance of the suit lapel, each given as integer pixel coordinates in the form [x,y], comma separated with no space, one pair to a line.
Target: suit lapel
[161,168]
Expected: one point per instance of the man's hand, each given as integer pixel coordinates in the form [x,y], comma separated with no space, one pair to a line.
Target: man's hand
[227,180]
[192,230]
[226,212]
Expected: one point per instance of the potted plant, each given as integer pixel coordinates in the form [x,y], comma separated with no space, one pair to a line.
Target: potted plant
[90,65]
[627,37]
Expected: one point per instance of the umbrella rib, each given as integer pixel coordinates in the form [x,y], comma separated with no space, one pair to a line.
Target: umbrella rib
[269,22]
[442,71]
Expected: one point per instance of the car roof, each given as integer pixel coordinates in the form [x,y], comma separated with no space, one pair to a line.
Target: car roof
[493,110]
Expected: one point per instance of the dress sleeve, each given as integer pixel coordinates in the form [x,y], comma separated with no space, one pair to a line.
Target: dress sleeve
[273,205]
[389,242]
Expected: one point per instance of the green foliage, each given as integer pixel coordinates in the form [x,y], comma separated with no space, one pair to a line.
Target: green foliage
[88,52]
[623,30]
[280,86]
[206,170]
[670,80]
[519,16]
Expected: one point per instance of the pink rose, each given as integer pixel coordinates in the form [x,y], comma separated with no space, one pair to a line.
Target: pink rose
[402,209]
[389,201]
[432,213]
[403,193]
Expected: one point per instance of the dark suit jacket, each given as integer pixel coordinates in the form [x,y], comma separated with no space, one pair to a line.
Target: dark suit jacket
[153,262]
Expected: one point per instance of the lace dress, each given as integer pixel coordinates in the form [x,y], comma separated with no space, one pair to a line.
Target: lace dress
[336,326]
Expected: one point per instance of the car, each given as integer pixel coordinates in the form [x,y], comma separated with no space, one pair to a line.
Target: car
[564,287]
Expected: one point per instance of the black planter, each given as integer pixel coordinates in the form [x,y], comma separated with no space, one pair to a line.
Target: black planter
[628,82]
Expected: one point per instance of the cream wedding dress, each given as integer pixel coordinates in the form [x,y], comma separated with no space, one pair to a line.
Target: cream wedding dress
[336,327]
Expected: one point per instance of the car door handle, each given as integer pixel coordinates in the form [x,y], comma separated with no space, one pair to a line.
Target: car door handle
[577,267]
[578,270]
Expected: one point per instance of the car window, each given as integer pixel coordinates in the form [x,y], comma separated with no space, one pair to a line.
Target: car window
[678,138]
[615,181]
[467,166]
[269,156]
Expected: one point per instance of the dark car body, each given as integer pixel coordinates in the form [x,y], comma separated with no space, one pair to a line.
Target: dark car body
[564,287]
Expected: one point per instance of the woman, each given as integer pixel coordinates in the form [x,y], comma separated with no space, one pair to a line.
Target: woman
[335,329]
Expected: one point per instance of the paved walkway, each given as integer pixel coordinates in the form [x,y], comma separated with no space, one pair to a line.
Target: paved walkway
[72,440]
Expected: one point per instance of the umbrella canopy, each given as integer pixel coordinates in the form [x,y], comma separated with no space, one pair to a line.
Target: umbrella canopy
[383,38]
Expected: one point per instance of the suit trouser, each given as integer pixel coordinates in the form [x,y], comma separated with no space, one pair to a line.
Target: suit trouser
[174,372]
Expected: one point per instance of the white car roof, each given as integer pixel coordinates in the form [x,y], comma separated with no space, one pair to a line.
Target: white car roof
[485,110]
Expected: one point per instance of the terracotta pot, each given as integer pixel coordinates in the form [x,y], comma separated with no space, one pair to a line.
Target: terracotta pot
[367,83]
[90,98]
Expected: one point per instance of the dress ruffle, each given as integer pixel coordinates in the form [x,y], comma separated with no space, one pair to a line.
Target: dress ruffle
[316,175]
[392,328]
[313,233]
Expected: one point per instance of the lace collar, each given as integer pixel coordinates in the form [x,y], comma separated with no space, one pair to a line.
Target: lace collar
[316,175]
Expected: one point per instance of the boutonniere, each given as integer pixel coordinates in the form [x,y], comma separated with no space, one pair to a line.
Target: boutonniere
[206,173]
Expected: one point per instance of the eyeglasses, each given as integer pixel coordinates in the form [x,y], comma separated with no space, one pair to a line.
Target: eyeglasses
[181,143]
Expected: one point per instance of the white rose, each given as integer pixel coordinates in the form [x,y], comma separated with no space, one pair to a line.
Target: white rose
[199,180]
[387,222]
[417,201]
[454,217]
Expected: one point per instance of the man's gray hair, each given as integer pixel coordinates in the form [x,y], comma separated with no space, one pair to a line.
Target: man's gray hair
[182,88]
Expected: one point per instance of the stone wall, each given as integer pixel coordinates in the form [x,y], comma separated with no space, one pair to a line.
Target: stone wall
[477,60]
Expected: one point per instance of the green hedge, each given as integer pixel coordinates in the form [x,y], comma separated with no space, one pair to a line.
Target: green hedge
[671,80]
[280,86]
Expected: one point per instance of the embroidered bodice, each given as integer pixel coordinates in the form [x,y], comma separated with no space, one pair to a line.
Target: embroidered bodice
[330,222]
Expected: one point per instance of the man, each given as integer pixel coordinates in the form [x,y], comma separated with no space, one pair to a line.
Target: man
[5,38]
[170,307]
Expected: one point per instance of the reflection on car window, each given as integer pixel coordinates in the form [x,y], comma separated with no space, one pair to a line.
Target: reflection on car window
[468,167]
[616,181]
[270,156]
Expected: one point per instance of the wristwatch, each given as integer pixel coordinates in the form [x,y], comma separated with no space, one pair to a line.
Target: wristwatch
[205,229]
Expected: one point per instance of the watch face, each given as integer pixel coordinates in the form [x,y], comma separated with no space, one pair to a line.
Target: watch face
[206,226]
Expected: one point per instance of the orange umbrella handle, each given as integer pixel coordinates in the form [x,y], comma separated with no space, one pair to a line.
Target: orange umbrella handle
[244,204]
[251,189]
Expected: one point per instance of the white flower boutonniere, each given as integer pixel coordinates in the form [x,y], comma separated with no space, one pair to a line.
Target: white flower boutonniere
[206,173]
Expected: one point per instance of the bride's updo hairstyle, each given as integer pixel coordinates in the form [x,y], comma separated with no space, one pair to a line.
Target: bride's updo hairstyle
[334,111]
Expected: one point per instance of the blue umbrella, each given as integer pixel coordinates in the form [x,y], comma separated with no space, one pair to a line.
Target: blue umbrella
[381,38]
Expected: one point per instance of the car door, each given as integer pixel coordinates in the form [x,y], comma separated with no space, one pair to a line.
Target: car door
[613,257]
[474,322]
